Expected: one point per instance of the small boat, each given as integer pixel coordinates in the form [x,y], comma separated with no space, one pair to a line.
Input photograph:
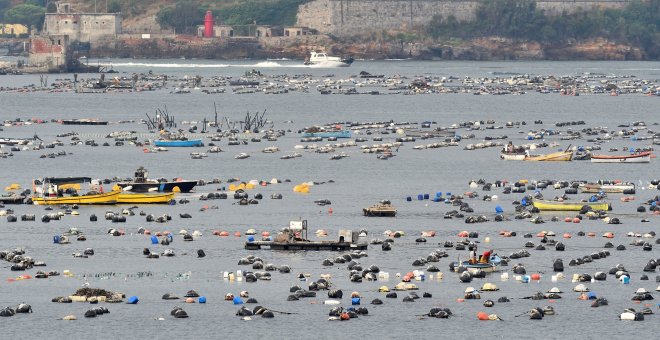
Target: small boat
[137,198]
[513,153]
[242,155]
[178,143]
[383,208]
[141,183]
[561,156]
[642,157]
[513,156]
[323,59]
[51,191]
[168,139]
[492,266]
[610,188]
[270,149]
[569,206]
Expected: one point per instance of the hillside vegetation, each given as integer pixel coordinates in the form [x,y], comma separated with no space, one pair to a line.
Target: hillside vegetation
[637,24]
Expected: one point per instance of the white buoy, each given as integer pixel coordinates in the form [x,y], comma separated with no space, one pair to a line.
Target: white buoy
[504,277]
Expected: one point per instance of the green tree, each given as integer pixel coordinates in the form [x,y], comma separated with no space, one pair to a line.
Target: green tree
[114,6]
[4,5]
[29,15]
[183,17]
[51,7]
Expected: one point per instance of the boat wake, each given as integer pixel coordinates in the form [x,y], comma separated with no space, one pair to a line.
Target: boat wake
[262,64]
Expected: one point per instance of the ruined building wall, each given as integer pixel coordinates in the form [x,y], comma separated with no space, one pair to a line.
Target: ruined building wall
[350,17]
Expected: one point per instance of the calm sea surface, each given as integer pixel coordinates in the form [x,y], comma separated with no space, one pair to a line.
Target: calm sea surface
[357,181]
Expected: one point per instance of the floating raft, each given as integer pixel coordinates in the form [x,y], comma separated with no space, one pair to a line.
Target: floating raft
[83,122]
[310,245]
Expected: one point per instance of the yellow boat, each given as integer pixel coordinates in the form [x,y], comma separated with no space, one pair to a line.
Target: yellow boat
[569,206]
[136,198]
[105,198]
[561,156]
[64,190]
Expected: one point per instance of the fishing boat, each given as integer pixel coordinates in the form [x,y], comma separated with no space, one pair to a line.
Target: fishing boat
[176,140]
[55,190]
[642,157]
[561,156]
[326,133]
[383,208]
[493,265]
[608,187]
[323,59]
[138,198]
[513,153]
[295,238]
[141,183]
[569,206]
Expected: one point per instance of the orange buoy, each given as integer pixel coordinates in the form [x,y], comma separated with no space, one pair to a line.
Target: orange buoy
[591,234]
[576,220]
[567,219]
[147,232]
[460,300]
[330,211]
[482,316]
[223,233]
[159,234]
[406,278]
[237,234]
[265,233]
[344,316]
[463,234]
[536,277]
[609,235]
[567,235]
[216,232]
[541,234]
[190,300]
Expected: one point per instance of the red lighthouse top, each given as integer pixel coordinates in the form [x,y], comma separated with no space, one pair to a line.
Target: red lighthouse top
[208,24]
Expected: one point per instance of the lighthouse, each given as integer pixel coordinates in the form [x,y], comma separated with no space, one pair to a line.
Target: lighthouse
[208,25]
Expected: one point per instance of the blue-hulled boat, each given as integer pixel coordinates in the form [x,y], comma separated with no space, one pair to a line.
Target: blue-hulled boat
[178,143]
[329,134]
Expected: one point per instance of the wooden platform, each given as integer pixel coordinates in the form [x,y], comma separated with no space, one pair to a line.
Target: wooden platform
[311,245]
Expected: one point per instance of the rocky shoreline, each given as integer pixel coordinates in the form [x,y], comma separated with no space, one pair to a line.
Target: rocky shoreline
[492,48]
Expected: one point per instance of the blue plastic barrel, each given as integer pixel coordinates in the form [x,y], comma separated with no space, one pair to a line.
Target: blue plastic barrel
[438,194]
[250,238]
[154,239]
[132,300]
[498,209]
[420,197]
[408,198]
[355,301]
[625,279]
[202,299]
[237,300]
[56,239]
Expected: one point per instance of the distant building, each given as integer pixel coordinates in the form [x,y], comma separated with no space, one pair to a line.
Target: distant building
[268,31]
[220,31]
[13,29]
[83,27]
[50,51]
[296,31]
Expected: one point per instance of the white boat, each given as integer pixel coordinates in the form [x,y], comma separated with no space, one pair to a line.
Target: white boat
[323,59]
[242,155]
[624,187]
[513,156]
